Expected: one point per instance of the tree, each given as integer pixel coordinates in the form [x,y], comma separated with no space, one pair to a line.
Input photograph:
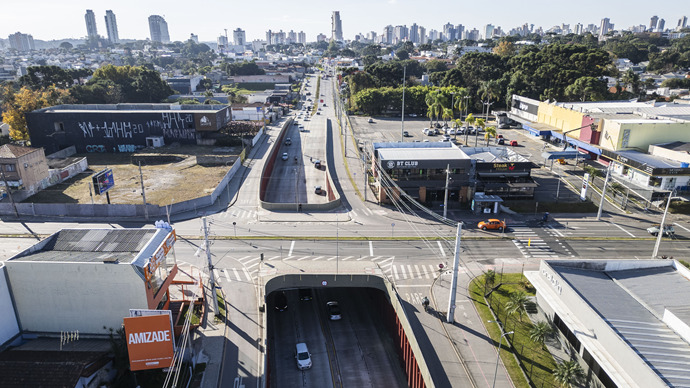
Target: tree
[489,279]
[402,54]
[567,373]
[66,46]
[40,77]
[17,105]
[632,82]
[516,303]
[594,88]
[481,123]
[434,66]
[490,134]
[469,121]
[489,90]
[504,49]
[539,331]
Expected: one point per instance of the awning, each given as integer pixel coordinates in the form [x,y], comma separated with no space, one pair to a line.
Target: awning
[572,154]
[522,184]
[481,197]
[534,131]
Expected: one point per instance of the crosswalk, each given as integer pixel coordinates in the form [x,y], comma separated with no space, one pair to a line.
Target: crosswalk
[238,213]
[531,245]
[367,212]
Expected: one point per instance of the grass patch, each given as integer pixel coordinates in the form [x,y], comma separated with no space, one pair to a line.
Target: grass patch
[685,263]
[196,316]
[221,305]
[679,207]
[527,207]
[536,363]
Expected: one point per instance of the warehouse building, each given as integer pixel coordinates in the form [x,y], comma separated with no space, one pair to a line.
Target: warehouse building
[123,127]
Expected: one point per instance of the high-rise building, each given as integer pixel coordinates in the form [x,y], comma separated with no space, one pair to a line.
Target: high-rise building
[605,27]
[222,43]
[291,37]
[422,35]
[159,29]
[488,31]
[194,38]
[320,38]
[662,24]
[111,27]
[387,35]
[400,34]
[301,37]
[579,30]
[682,22]
[21,42]
[459,30]
[448,32]
[652,22]
[239,37]
[91,30]
[336,27]
[434,35]
[414,33]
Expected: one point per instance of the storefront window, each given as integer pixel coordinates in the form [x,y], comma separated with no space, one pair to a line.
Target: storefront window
[655,181]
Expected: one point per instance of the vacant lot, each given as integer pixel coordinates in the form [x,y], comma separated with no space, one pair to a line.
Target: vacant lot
[177,181]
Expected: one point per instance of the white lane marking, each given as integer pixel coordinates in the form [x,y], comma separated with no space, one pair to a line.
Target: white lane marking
[619,227]
[237,274]
[426,274]
[198,252]
[440,248]
[331,258]
[274,258]
[395,272]
[303,258]
[250,260]
[682,227]
[371,248]
[247,274]
[410,285]
[252,266]
[387,260]
[292,246]
[317,258]
[225,272]
[347,258]
[216,273]
[416,268]
[409,269]
[556,231]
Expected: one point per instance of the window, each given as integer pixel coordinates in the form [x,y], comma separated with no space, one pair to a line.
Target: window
[59,126]
[10,167]
[569,335]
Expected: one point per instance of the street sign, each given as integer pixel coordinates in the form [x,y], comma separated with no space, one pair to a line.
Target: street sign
[324,283]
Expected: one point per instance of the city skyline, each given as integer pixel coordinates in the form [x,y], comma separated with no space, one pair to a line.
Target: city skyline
[315,17]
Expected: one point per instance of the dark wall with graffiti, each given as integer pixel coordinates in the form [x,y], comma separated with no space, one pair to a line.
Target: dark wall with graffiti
[118,131]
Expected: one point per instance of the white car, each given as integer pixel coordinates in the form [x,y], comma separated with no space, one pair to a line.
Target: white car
[302,356]
[285,156]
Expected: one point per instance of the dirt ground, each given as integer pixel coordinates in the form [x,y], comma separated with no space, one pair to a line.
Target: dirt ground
[164,183]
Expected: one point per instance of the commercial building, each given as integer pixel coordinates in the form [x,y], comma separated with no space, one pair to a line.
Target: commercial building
[239,37]
[158,28]
[501,172]
[627,321]
[88,279]
[123,127]
[23,168]
[91,29]
[111,27]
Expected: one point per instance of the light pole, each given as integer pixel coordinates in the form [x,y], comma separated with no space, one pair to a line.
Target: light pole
[402,116]
[603,191]
[661,226]
[498,355]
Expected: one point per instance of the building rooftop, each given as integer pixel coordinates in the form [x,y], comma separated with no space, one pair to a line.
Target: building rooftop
[15,151]
[94,246]
[650,160]
[125,108]
[632,301]
[494,155]
[449,153]
[678,146]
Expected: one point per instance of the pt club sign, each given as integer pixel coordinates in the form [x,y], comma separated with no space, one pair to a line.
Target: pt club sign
[149,341]
[390,164]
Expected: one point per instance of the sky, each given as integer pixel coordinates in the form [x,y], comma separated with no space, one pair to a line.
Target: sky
[48,20]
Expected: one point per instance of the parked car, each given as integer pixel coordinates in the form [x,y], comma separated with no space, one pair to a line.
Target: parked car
[491,224]
[500,141]
[370,120]
[513,143]
[302,356]
[406,134]
[333,310]
[317,164]
[668,230]
[301,128]
[318,190]
[285,156]
[280,301]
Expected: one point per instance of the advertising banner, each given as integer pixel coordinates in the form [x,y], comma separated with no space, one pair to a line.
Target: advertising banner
[149,341]
[585,183]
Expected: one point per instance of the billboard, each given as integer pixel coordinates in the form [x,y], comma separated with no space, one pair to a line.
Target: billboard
[159,255]
[103,181]
[149,341]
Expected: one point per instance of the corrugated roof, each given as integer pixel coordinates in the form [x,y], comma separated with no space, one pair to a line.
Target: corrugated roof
[15,151]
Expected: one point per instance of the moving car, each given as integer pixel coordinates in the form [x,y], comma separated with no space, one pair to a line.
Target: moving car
[305,294]
[491,224]
[668,230]
[285,156]
[333,310]
[302,356]
[370,120]
[280,301]
[288,141]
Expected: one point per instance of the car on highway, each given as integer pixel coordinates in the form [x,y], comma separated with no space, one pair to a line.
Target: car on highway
[285,156]
[318,113]
[333,310]
[668,230]
[280,301]
[305,294]
[288,141]
[302,356]
[491,224]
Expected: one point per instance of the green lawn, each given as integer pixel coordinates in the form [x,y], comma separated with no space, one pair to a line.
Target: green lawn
[536,363]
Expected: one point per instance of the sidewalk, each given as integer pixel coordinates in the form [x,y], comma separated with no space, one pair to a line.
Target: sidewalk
[208,343]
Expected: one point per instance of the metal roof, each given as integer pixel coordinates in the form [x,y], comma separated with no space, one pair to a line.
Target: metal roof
[648,159]
[632,302]
[422,154]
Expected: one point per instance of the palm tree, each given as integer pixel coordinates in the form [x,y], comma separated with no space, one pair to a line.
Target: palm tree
[567,373]
[430,100]
[481,123]
[469,120]
[539,332]
[516,303]
[447,114]
[490,134]
[489,90]
[489,279]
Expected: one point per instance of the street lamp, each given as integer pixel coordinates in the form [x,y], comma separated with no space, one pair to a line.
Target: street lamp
[661,226]
[500,342]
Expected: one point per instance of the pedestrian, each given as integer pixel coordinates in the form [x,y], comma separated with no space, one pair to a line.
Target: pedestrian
[310,159]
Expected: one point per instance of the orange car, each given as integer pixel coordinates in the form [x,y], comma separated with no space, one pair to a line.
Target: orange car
[492,224]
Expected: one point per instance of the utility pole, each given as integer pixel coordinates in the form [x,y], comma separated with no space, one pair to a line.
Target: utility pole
[445,198]
[210,268]
[603,192]
[402,121]
[143,193]
[9,192]
[661,226]
[450,318]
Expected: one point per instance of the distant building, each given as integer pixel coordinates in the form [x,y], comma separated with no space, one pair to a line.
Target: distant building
[662,24]
[23,168]
[239,37]
[159,29]
[605,27]
[387,35]
[91,30]
[336,27]
[682,22]
[222,43]
[21,42]
[320,38]
[194,38]
[652,22]
[302,37]
[122,127]
[111,27]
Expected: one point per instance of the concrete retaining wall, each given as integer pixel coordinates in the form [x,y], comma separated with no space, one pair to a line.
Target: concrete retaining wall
[67,152]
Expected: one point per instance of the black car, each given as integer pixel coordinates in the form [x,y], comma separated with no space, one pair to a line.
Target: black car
[305,294]
[280,301]
[333,310]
